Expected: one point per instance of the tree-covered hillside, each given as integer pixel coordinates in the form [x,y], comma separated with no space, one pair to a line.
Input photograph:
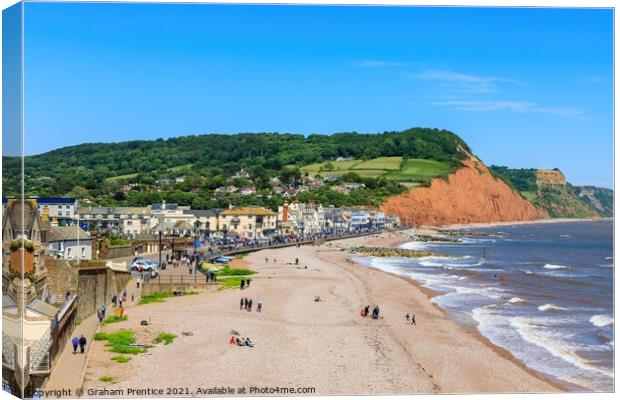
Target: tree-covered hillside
[101,171]
[559,199]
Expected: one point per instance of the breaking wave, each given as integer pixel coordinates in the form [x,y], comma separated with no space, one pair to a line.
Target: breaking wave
[601,320]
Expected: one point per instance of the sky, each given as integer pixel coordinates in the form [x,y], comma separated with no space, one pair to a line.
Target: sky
[524,87]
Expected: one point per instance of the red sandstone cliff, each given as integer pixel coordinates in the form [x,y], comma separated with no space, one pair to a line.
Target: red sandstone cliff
[471,194]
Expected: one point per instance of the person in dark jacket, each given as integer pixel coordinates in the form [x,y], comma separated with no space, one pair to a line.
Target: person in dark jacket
[82,343]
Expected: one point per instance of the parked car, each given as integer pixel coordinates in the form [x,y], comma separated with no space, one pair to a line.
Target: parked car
[143,265]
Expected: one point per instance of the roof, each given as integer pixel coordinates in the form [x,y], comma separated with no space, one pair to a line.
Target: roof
[42,307]
[247,211]
[114,210]
[47,200]
[63,233]
[183,225]
[205,213]
[14,211]
[8,302]
[164,206]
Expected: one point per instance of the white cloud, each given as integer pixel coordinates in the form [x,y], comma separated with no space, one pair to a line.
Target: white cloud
[517,106]
[462,82]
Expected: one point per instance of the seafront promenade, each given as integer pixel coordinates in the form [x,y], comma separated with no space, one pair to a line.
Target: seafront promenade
[69,371]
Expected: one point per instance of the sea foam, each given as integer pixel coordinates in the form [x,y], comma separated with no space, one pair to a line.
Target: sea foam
[553,266]
[516,300]
[552,307]
[601,320]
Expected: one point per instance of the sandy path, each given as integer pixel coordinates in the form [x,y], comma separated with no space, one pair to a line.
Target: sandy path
[302,343]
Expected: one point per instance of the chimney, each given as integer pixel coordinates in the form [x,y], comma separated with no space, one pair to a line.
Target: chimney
[285,212]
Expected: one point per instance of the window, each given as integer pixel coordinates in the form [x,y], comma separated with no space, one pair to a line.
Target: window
[68,252]
[83,251]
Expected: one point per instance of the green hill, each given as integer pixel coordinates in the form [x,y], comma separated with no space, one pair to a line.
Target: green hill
[549,191]
[98,170]
[410,172]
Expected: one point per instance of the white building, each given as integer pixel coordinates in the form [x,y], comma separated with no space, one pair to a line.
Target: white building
[70,243]
[120,220]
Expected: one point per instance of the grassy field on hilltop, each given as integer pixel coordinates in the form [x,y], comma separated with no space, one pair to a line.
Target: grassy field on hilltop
[410,171]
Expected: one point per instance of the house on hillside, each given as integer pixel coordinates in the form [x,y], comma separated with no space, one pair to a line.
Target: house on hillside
[247,190]
[347,187]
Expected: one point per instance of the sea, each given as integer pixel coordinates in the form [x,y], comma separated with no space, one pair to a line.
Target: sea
[543,292]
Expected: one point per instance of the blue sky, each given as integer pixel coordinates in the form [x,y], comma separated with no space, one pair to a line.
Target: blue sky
[524,87]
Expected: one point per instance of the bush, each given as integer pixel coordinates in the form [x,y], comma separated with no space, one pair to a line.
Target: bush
[227,271]
[121,341]
[113,319]
[232,282]
[155,297]
[121,359]
[106,378]
[165,337]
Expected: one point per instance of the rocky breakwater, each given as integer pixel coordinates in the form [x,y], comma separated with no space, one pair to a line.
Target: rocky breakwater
[390,252]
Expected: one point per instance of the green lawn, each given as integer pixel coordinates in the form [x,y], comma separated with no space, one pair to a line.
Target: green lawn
[369,173]
[417,169]
[381,163]
[338,166]
[121,177]
[414,171]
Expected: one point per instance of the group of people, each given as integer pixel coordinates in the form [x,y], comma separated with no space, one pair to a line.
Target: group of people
[244,283]
[246,304]
[374,314]
[78,342]
[410,318]
[117,300]
[241,342]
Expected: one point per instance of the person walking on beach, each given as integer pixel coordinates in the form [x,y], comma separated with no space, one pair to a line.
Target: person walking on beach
[247,282]
[407,317]
[245,303]
[266,260]
[82,343]
[242,284]
[241,304]
[100,316]
[75,342]
[250,305]
[413,319]
[259,306]
[366,310]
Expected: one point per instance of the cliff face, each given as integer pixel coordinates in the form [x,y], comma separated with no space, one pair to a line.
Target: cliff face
[471,194]
[600,199]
